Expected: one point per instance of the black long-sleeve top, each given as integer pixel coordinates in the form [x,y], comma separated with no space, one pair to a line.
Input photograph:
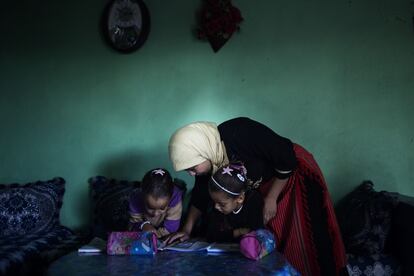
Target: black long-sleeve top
[264,153]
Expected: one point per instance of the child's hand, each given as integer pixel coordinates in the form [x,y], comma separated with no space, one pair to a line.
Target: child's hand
[181,236]
[149,228]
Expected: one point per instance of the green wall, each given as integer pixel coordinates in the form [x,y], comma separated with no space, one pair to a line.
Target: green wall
[334,76]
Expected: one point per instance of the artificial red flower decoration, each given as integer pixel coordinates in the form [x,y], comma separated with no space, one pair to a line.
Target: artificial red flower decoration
[219,19]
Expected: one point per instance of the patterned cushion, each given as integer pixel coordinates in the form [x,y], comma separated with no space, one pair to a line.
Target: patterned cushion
[111,204]
[374,265]
[28,255]
[364,217]
[30,208]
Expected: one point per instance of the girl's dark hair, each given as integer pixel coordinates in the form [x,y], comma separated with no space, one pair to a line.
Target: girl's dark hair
[157,183]
[232,177]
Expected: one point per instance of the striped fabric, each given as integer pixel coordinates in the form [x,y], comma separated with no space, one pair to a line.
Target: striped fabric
[305,224]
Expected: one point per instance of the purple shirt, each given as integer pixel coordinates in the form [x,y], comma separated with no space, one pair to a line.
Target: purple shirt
[170,219]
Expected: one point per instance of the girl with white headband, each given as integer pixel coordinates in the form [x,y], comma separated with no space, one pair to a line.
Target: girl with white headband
[237,209]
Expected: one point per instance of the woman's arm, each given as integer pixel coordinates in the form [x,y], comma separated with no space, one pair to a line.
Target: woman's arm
[192,218]
[270,201]
[198,205]
[185,232]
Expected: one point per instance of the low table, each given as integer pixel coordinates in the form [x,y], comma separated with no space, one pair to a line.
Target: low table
[170,263]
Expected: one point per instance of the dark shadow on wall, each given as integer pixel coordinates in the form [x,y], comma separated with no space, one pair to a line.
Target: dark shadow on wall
[124,166]
[131,164]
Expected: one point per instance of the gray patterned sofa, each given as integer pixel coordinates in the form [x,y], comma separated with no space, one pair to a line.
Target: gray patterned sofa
[31,235]
[378,231]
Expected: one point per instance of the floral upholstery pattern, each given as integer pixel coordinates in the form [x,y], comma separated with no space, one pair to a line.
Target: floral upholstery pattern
[30,232]
[373,265]
[365,218]
[30,208]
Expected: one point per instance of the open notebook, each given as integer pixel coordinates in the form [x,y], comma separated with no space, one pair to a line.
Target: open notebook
[95,246]
[193,245]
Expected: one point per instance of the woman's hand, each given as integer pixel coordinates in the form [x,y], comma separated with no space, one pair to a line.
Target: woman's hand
[180,236]
[269,209]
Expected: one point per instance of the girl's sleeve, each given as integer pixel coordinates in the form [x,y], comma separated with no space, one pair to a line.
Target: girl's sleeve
[175,208]
[136,216]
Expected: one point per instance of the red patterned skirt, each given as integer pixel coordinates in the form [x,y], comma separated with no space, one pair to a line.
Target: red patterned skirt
[305,224]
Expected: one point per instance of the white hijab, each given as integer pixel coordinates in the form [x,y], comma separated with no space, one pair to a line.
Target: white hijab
[195,143]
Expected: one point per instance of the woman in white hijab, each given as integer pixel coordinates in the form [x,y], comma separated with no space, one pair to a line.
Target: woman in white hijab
[197,143]
[297,204]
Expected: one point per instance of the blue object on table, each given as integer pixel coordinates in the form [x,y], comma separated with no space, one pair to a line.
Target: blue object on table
[171,263]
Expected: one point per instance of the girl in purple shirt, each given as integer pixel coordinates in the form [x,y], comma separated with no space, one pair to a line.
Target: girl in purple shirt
[157,206]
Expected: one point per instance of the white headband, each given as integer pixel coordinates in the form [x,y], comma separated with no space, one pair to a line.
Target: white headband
[224,189]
